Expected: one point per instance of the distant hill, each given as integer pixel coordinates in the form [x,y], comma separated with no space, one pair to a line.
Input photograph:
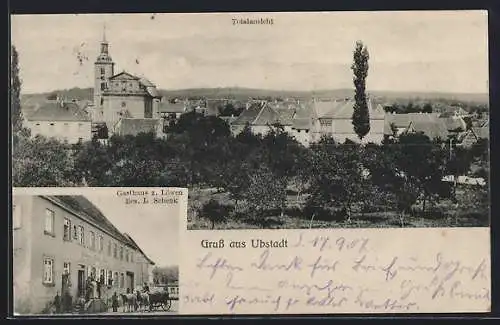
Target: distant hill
[245,93]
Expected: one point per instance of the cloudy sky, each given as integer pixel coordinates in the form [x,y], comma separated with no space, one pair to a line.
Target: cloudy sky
[155,228]
[409,51]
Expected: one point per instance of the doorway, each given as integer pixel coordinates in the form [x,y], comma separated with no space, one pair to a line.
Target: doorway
[81,281]
[130,281]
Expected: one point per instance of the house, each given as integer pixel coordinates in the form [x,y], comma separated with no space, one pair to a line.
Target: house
[474,134]
[169,110]
[59,241]
[64,121]
[431,124]
[261,117]
[302,124]
[134,126]
[333,118]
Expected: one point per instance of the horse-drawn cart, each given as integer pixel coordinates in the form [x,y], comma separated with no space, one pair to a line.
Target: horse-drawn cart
[159,298]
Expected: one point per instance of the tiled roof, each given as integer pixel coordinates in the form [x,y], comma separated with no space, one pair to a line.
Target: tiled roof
[343,109]
[249,114]
[134,126]
[59,111]
[267,116]
[403,120]
[285,115]
[138,248]
[433,128]
[454,123]
[167,107]
[81,205]
[146,83]
[482,132]
[302,123]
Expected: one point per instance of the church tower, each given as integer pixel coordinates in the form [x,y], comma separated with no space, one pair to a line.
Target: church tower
[103,70]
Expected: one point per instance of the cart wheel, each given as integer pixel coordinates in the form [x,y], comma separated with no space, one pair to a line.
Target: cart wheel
[166,305]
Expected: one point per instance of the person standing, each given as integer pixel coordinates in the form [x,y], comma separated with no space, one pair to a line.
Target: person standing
[114,302]
[57,303]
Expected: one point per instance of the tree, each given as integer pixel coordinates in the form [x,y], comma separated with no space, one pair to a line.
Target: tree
[41,162]
[427,108]
[215,212]
[361,115]
[15,91]
[265,193]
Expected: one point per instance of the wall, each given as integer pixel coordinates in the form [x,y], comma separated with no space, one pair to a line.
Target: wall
[99,78]
[302,136]
[113,106]
[71,131]
[67,251]
[21,254]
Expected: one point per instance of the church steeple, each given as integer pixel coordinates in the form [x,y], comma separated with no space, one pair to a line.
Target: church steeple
[104,42]
[104,69]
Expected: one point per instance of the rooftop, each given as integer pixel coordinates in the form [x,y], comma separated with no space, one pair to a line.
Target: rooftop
[59,111]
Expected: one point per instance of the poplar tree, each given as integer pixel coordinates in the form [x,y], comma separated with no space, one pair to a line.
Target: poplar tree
[361,115]
[15,91]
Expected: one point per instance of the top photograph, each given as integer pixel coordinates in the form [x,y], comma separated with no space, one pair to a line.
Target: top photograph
[271,120]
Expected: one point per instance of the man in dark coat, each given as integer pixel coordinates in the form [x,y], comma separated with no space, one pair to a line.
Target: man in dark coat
[114,302]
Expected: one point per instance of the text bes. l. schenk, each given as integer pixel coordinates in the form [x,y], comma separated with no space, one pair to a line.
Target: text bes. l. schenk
[254,243]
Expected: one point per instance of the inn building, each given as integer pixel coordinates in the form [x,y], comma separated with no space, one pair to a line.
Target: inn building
[59,241]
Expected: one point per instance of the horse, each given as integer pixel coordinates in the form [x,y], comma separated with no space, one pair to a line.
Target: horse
[129,302]
[143,299]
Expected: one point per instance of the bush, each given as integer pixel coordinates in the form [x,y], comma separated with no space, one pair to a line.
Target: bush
[215,212]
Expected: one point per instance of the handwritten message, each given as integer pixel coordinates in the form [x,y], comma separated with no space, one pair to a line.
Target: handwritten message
[336,271]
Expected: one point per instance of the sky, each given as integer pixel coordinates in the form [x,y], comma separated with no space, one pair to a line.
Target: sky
[437,51]
[155,228]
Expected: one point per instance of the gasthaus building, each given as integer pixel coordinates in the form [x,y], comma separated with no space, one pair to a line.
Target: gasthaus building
[59,241]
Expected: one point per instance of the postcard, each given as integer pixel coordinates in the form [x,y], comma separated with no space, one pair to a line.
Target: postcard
[312,162]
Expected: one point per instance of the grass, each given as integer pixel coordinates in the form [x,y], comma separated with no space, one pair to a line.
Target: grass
[443,215]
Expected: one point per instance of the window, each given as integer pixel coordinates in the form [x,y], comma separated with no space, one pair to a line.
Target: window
[67,268]
[81,235]
[67,229]
[92,240]
[102,71]
[121,253]
[102,275]
[110,278]
[49,222]
[132,257]
[16,216]
[115,250]
[100,243]
[37,124]
[115,279]
[51,124]
[93,272]
[122,280]
[75,232]
[102,102]
[126,255]
[109,248]
[48,270]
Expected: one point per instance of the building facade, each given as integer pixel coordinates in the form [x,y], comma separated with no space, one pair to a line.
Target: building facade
[61,241]
[63,121]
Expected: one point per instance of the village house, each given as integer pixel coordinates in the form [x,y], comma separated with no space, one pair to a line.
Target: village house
[135,126]
[261,117]
[433,125]
[63,121]
[333,119]
[474,134]
[59,241]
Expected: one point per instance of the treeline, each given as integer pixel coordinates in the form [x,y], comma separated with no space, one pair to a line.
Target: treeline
[335,180]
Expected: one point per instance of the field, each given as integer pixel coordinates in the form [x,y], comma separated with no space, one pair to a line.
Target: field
[443,215]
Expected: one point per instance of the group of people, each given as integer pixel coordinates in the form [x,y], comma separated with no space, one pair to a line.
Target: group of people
[93,287]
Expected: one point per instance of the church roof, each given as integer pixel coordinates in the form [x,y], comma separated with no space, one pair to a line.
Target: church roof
[59,111]
[124,76]
[134,126]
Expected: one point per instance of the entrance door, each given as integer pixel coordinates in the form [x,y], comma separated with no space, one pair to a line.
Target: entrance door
[130,281]
[81,283]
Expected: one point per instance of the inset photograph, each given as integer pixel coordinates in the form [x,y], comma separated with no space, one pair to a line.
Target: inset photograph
[102,254]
